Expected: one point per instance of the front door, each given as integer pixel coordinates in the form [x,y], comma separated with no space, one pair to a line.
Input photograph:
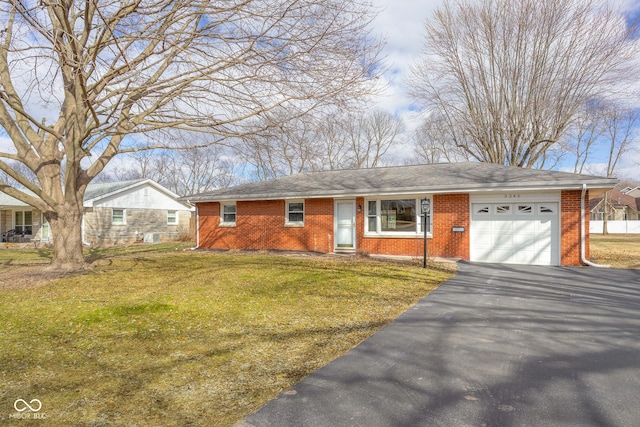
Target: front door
[345,225]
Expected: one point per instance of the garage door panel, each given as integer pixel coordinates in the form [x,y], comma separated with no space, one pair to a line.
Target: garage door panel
[525,240]
[522,232]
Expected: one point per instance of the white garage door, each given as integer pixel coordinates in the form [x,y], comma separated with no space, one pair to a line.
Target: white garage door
[515,233]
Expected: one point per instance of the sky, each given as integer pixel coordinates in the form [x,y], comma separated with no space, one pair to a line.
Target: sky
[401,24]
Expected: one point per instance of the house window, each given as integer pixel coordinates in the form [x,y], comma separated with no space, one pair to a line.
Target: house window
[23,222]
[372,215]
[399,217]
[295,213]
[172,217]
[118,216]
[228,214]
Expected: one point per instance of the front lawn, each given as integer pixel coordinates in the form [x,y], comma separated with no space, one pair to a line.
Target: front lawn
[178,337]
[617,250]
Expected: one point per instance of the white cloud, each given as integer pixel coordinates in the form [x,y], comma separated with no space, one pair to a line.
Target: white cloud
[401,24]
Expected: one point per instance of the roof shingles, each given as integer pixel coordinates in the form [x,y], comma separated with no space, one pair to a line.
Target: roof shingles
[430,178]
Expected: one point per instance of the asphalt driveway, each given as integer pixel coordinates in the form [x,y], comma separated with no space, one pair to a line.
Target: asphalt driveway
[495,346]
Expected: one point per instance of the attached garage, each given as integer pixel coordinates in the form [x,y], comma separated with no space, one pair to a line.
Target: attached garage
[516,229]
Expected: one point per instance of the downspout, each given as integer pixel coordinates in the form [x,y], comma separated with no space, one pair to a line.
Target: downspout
[197,227]
[583,237]
[197,246]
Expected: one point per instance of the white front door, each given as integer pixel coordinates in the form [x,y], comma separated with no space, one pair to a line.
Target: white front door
[345,225]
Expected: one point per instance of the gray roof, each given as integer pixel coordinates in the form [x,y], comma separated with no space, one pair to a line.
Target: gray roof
[98,190]
[430,178]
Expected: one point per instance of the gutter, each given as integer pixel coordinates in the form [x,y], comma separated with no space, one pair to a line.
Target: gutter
[583,237]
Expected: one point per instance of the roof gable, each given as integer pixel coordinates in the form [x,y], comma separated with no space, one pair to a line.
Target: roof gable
[430,178]
[101,191]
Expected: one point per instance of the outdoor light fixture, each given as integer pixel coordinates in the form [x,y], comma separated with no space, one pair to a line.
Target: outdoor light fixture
[359,208]
[425,205]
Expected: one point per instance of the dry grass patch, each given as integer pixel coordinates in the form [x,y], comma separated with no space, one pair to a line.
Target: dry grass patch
[189,338]
[617,250]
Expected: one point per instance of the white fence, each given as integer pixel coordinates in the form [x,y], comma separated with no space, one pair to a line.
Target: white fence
[615,227]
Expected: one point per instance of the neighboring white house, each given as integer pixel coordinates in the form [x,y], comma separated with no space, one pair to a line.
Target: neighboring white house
[114,213]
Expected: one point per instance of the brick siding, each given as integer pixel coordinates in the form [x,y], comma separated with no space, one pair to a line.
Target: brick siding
[570,240]
[449,210]
[261,225]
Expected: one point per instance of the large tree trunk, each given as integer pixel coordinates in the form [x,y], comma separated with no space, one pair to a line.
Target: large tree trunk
[66,230]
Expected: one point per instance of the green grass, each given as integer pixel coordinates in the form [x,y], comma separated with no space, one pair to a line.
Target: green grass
[164,337]
[617,250]
[43,255]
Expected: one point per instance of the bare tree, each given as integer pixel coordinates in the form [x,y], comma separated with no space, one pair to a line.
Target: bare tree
[584,134]
[509,76]
[432,144]
[140,164]
[182,171]
[334,140]
[197,170]
[285,150]
[621,132]
[371,136]
[84,81]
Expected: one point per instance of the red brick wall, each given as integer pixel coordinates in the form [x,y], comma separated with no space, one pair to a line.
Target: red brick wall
[449,210]
[260,225]
[570,227]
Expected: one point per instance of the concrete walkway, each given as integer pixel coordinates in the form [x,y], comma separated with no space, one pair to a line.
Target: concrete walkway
[495,346]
